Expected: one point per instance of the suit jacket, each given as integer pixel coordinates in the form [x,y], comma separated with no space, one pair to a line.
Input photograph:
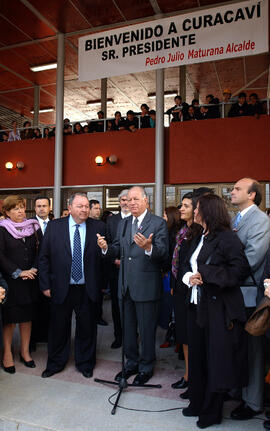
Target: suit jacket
[142,273]
[111,234]
[253,231]
[55,259]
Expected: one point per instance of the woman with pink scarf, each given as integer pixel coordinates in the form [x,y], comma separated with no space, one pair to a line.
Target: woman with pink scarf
[18,263]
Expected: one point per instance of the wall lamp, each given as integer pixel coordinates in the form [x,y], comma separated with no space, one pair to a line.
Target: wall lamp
[19,165]
[112,159]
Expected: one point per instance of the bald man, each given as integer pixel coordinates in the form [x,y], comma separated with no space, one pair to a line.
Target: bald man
[253,229]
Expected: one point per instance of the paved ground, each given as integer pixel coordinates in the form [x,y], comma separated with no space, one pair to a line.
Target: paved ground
[69,402]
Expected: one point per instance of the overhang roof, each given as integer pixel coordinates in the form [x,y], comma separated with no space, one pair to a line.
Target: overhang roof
[28,36]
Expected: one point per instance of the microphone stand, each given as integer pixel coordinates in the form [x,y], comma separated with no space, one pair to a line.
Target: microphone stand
[123,384]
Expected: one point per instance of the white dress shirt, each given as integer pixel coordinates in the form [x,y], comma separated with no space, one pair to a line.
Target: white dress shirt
[194,267]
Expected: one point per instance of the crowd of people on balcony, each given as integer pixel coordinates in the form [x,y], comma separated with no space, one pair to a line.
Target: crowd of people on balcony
[213,108]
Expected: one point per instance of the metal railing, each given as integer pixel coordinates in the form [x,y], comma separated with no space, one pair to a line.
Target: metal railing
[222,108]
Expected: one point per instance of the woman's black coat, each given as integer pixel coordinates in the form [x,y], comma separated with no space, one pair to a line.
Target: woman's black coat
[14,254]
[223,266]
[3,284]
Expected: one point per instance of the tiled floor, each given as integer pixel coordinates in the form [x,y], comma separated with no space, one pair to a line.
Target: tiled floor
[69,402]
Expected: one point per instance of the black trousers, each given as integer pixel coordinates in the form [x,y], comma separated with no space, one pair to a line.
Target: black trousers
[142,316]
[85,333]
[115,308]
[203,403]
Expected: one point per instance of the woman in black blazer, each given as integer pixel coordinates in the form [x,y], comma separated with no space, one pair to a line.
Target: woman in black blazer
[18,263]
[214,268]
[3,297]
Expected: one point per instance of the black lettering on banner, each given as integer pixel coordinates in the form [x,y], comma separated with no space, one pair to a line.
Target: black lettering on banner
[187,24]
[88,45]
[226,18]
[125,51]
[207,20]
[192,39]
[148,33]
[126,37]
[259,10]
[147,47]
[239,15]
[158,31]
[250,13]
[218,19]
[172,28]
[104,55]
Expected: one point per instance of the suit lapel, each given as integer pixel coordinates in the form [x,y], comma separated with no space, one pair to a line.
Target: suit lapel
[128,231]
[209,245]
[66,235]
[145,223]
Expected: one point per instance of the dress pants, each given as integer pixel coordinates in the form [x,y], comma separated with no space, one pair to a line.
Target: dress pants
[85,334]
[115,308]
[252,394]
[203,403]
[40,326]
[140,316]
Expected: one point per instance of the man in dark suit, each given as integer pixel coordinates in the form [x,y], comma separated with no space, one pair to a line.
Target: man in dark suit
[253,229]
[114,264]
[143,237]
[70,273]
[40,325]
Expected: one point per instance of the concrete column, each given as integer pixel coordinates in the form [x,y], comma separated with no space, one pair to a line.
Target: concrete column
[58,157]
[36,105]
[104,96]
[182,82]
[159,147]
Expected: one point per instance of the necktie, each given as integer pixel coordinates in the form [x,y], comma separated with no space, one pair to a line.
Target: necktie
[134,228]
[76,267]
[237,220]
[44,226]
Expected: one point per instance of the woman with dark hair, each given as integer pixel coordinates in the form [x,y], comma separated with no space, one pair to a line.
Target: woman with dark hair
[172,217]
[145,118]
[46,133]
[19,240]
[27,132]
[188,230]
[213,269]
[118,123]
[78,130]
[37,133]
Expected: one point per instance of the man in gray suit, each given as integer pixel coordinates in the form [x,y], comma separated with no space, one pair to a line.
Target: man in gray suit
[143,237]
[253,228]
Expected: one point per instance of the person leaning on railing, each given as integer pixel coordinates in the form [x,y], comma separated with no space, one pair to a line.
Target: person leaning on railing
[14,135]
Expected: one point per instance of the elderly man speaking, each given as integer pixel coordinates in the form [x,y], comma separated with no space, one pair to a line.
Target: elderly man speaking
[144,239]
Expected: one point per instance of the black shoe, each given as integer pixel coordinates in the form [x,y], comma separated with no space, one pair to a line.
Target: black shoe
[142,378]
[267,414]
[180,384]
[48,373]
[243,412]
[189,413]
[116,343]
[202,425]
[128,374]
[184,395]
[29,364]
[266,425]
[102,322]
[87,373]
[10,370]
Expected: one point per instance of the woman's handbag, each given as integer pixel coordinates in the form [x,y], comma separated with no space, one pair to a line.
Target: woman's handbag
[259,321]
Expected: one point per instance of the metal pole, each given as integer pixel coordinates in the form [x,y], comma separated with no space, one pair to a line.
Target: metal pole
[58,156]
[182,82]
[104,96]
[36,105]
[159,147]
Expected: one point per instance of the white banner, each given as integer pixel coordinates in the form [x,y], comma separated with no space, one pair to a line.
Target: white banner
[218,33]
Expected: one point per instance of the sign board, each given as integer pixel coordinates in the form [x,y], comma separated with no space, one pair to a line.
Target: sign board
[218,33]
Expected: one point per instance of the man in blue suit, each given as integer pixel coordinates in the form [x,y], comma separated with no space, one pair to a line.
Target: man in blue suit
[70,273]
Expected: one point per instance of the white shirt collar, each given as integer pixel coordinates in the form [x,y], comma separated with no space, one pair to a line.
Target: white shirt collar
[41,221]
[243,212]
[123,215]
